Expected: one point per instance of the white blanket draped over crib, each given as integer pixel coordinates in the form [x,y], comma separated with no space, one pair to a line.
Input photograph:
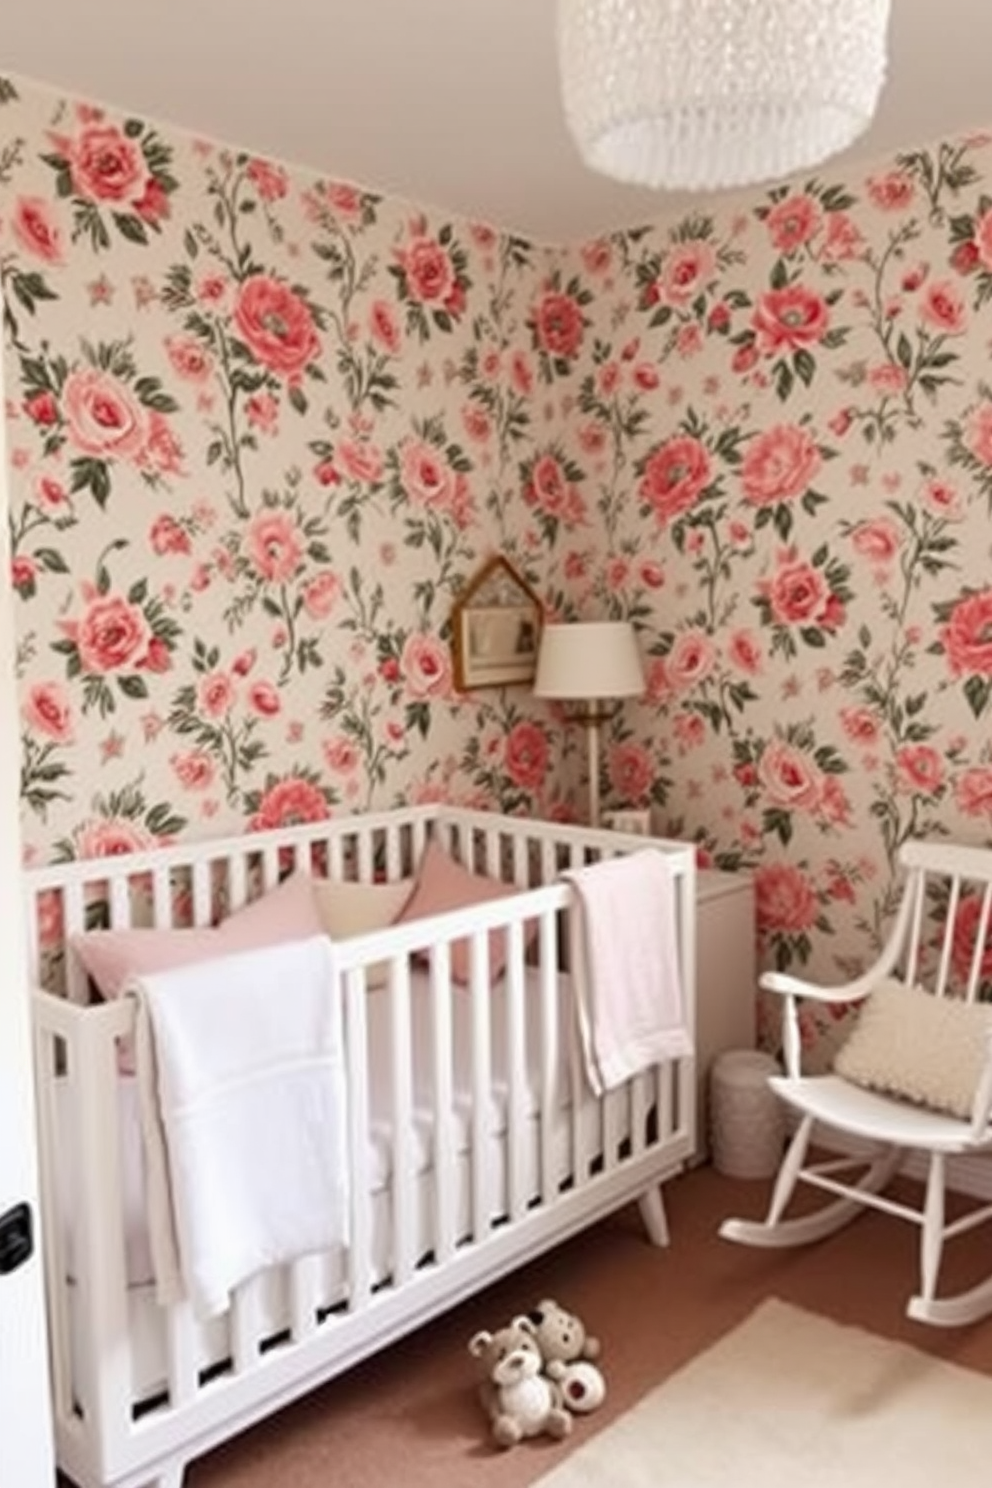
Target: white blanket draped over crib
[242,1087]
[625,965]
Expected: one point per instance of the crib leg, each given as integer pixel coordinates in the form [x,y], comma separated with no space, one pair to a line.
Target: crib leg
[652,1207]
[171,1476]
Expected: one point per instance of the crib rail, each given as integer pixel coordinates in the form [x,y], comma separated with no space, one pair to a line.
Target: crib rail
[446,1194]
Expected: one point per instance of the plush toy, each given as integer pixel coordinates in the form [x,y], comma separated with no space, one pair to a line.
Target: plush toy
[520,1400]
[561,1335]
[567,1352]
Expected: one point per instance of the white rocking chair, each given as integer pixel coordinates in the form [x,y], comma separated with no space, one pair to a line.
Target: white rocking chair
[950,962]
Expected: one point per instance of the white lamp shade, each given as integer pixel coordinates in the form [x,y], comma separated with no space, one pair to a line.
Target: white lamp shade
[589,660]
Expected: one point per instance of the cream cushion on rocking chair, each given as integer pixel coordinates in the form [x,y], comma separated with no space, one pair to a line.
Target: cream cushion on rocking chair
[925,1049]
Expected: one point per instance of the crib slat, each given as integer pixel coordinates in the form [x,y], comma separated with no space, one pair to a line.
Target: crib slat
[517,1115]
[445,1159]
[482,1061]
[401,1072]
[359,1140]
[550,1052]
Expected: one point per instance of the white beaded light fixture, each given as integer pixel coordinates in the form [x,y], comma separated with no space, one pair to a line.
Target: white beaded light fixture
[699,94]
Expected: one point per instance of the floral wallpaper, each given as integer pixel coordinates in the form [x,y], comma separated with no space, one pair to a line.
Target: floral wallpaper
[264,427]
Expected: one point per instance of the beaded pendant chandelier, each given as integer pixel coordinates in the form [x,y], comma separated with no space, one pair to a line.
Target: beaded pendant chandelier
[698,94]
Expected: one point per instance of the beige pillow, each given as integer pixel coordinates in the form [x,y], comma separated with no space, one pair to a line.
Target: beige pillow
[348,909]
[925,1049]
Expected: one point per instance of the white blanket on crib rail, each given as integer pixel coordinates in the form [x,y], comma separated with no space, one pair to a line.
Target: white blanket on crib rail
[242,1083]
[625,967]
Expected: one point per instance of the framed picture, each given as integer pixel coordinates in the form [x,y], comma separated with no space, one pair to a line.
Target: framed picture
[496,629]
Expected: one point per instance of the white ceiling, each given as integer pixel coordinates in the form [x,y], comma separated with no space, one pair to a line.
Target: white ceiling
[447,103]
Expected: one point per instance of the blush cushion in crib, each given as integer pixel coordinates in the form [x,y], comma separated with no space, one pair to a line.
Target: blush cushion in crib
[920,1048]
[348,909]
[113,957]
[444,884]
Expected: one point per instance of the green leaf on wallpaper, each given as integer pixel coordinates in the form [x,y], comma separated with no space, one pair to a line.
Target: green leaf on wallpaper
[904,351]
[8,93]
[153,395]
[164,822]
[418,716]
[977,691]
[784,380]
[779,822]
[138,592]
[189,242]
[297,398]
[131,227]
[51,560]
[133,128]
[805,366]
[88,220]
[133,686]
[813,636]
[91,475]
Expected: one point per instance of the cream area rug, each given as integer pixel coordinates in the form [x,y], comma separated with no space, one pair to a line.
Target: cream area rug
[790,1400]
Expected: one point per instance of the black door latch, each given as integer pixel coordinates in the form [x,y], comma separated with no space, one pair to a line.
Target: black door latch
[16,1238]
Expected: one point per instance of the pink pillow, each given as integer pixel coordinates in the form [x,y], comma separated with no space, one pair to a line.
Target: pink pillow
[443,884]
[113,957]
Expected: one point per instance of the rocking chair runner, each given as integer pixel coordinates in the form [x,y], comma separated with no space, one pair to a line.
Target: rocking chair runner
[950,964]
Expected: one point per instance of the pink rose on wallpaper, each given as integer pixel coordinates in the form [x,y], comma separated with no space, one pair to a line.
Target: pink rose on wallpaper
[790,319]
[321,594]
[788,777]
[430,274]
[48,711]
[597,256]
[973,792]
[477,424]
[277,325]
[967,923]
[264,699]
[263,412]
[275,545]
[891,192]
[878,540]
[243,662]
[341,754]
[744,652]
[861,726]
[288,803]
[104,418]
[166,536]
[943,308]
[526,756]
[23,574]
[359,460]
[551,492]
[651,573]
[785,901]
[162,448]
[112,837]
[691,659]
[558,324]
[631,771]
[978,435]
[51,919]
[888,377]
[384,328]
[427,478]
[686,270]
[793,222]
[689,731]
[215,694]
[779,464]
[190,360]
[967,636]
[919,769]
[270,181]
[521,374]
[157,657]
[426,666]
[674,475]
[36,229]
[981,244]
[105,164]
[194,769]
[111,634]
[42,408]
[798,595]
[942,499]
[843,240]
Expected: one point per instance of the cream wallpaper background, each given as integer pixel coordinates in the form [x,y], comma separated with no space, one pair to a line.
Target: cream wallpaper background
[264,427]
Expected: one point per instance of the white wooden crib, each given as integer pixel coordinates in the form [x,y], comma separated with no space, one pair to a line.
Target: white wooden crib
[474,1140]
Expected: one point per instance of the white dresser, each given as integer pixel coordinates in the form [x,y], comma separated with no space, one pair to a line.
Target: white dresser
[726,977]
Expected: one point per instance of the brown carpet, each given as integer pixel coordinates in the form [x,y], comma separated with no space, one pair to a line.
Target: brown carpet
[412,1416]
